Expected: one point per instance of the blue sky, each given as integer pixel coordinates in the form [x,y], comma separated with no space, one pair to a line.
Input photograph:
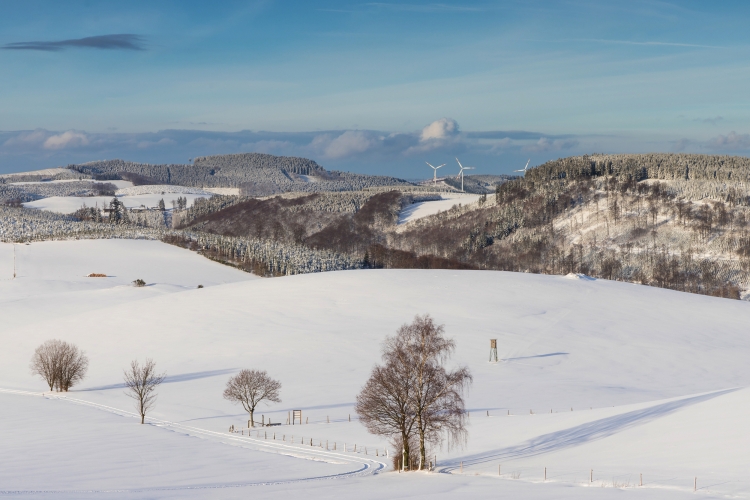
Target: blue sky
[378,87]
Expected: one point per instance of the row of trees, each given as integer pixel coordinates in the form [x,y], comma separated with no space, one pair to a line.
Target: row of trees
[412,398]
[63,365]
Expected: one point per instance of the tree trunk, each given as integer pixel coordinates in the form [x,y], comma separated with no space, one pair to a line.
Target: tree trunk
[405,454]
[252,421]
[422,449]
[143,417]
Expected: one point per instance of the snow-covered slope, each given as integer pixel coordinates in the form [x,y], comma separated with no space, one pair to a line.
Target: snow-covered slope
[425,208]
[69,204]
[644,370]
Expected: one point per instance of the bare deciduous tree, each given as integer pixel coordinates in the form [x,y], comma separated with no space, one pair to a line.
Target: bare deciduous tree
[383,408]
[142,382]
[250,387]
[414,393]
[62,365]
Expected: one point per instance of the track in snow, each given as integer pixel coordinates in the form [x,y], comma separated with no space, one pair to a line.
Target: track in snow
[366,466]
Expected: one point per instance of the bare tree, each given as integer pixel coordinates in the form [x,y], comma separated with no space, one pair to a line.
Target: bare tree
[413,392]
[62,365]
[250,387]
[383,407]
[142,382]
[436,398]
[43,362]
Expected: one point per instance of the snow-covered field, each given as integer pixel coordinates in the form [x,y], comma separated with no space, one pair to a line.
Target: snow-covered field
[45,171]
[117,184]
[160,189]
[69,204]
[612,377]
[425,208]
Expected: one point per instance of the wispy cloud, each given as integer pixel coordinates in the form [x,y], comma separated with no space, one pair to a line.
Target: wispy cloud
[430,7]
[545,144]
[106,42]
[732,141]
[646,43]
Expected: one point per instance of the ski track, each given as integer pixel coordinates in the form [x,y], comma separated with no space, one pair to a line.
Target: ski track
[368,466]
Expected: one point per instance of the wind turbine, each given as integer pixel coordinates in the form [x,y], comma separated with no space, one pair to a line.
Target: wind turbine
[461,173]
[434,169]
[524,168]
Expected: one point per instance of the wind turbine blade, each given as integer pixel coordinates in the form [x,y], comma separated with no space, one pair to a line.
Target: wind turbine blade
[459,163]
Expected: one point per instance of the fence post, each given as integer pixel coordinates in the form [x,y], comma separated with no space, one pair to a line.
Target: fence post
[591,476]
[695,484]
[545,473]
[641,482]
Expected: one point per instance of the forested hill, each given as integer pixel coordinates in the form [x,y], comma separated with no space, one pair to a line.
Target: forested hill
[638,167]
[255,174]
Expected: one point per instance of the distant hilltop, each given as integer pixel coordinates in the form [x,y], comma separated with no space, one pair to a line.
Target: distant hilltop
[256,174]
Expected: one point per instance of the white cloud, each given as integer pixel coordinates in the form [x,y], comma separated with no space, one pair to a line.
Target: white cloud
[69,139]
[269,147]
[161,142]
[732,140]
[349,143]
[681,145]
[442,129]
[545,144]
[27,138]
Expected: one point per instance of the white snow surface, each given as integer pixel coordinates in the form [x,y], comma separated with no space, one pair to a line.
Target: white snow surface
[118,184]
[69,204]
[224,191]
[424,208]
[44,171]
[619,378]
[159,189]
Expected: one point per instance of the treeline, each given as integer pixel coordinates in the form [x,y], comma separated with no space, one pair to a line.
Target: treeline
[303,220]
[265,257]
[31,192]
[478,184]
[254,173]
[666,166]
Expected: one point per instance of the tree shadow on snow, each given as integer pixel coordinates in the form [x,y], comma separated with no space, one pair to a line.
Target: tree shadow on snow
[581,434]
[184,377]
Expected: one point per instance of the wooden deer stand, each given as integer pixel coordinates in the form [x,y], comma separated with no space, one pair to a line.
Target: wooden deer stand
[493,350]
[297,414]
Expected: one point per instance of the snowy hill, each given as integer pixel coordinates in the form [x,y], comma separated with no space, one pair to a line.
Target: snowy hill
[619,378]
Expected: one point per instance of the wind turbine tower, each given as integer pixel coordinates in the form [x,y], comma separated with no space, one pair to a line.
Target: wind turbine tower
[434,172]
[461,173]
